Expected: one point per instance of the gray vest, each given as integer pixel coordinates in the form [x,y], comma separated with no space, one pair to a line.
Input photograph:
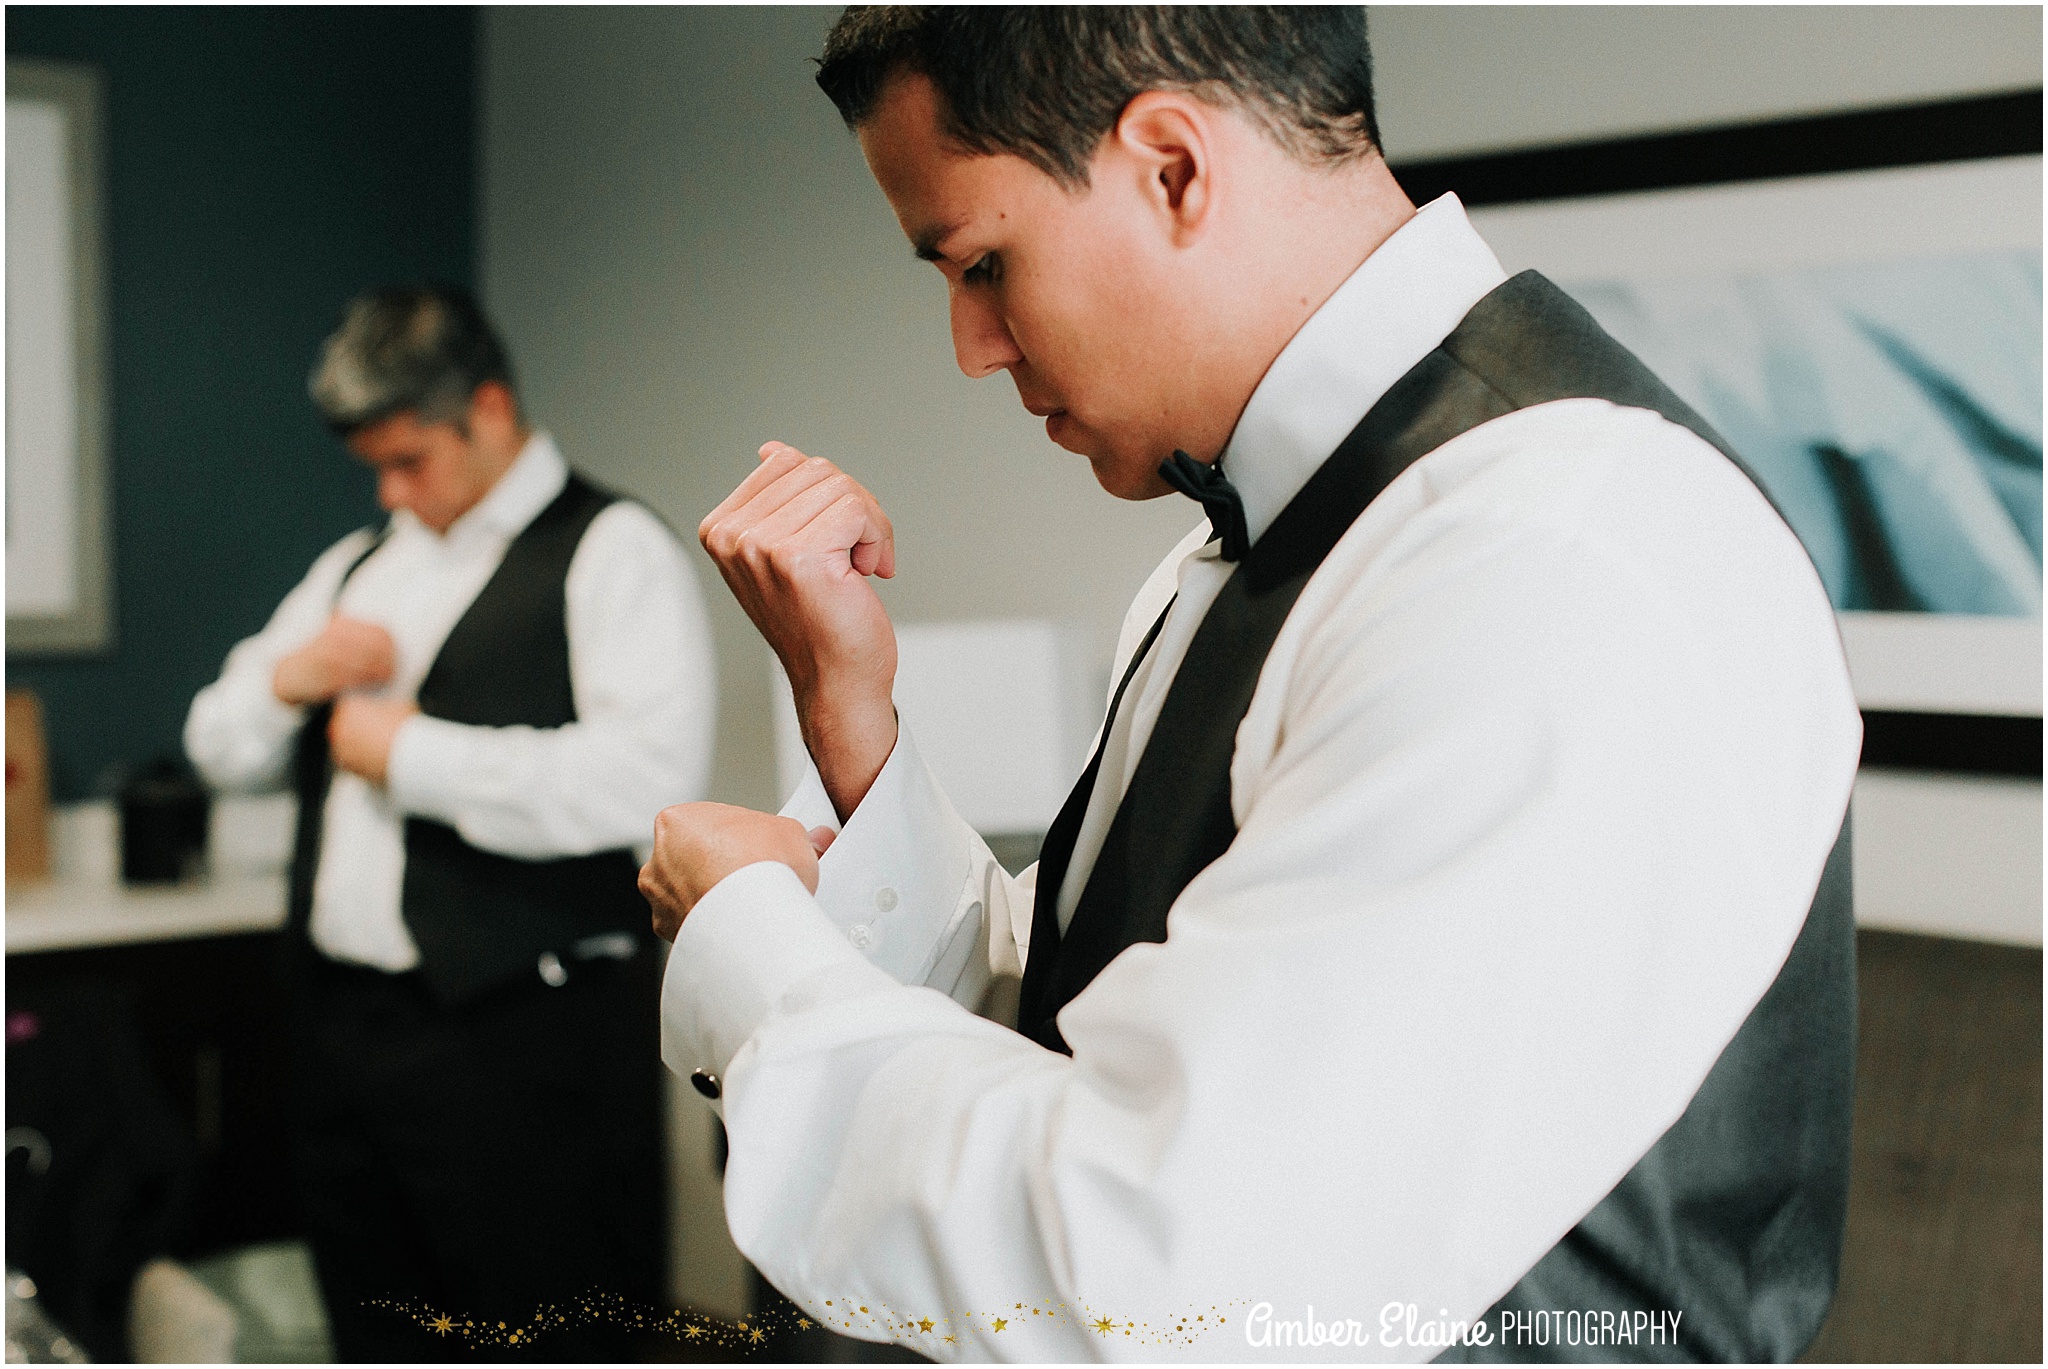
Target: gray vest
[1734,1217]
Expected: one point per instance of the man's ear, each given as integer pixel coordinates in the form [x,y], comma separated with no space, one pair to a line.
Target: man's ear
[493,408]
[1168,134]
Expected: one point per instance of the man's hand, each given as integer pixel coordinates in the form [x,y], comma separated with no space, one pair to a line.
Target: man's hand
[348,654]
[698,844]
[796,543]
[361,732]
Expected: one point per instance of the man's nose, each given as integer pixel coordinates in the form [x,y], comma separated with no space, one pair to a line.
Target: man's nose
[981,340]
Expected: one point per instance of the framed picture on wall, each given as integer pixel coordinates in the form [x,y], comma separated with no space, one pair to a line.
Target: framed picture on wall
[1854,301]
[59,572]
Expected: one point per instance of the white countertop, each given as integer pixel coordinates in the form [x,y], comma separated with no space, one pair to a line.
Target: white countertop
[87,905]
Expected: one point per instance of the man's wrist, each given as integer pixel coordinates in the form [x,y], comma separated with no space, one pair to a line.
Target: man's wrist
[850,742]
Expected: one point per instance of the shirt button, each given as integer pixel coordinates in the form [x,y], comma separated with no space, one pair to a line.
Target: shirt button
[551,972]
[885,899]
[861,935]
[705,1082]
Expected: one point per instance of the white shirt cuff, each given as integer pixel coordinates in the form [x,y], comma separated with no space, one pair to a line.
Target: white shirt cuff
[267,720]
[744,948]
[810,804]
[428,758]
[894,881]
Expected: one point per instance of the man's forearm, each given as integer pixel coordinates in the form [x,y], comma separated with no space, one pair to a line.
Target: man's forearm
[849,740]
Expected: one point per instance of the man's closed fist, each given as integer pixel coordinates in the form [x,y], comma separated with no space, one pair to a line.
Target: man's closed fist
[362,732]
[698,844]
[348,654]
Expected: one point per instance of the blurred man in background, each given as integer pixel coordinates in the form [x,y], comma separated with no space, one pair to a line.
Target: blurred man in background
[482,704]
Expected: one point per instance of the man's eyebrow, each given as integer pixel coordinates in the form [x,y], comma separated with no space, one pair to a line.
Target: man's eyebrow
[926,244]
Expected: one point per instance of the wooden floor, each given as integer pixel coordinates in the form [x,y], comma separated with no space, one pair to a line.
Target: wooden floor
[1942,1260]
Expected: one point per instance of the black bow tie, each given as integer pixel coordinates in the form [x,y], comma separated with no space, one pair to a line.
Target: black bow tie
[1208,486]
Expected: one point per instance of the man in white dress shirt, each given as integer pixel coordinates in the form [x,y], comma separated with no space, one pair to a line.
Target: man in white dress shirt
[1447,951]
[482,705]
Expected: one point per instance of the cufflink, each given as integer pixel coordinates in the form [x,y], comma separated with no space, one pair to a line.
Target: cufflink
[552,972]
[705,1082]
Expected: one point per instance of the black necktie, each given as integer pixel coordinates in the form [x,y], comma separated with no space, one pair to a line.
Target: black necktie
[1208,486]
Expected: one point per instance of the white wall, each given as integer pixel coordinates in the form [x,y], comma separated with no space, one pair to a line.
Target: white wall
[1455,79]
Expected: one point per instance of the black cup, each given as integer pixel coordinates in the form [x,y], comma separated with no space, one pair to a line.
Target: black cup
[164,812]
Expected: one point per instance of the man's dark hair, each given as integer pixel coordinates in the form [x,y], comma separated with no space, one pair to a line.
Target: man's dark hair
[1048,83]
[419,347]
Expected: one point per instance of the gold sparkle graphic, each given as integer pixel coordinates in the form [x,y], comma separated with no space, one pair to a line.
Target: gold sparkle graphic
[866,1321]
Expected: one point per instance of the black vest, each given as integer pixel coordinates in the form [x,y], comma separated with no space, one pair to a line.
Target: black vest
[1735,1216]
[480,919]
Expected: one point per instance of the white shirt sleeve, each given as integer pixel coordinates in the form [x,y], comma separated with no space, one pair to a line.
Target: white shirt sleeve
[640,664]
[239,734]
[911,885]
[1528,822]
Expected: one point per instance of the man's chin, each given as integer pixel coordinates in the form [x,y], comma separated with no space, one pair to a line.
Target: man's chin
[1120,473]
[1127,479]
[1063,431]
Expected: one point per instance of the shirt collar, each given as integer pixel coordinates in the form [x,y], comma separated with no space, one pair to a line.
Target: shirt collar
[1388,314]
[528,485]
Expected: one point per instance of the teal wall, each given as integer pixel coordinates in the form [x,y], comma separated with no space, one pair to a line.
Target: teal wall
[262,166]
